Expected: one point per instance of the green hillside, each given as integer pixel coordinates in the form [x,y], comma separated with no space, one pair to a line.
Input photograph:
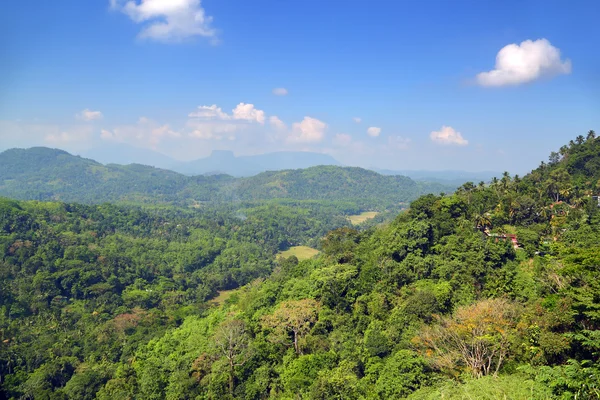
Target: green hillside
[40,173]
[109,302]
[47,174]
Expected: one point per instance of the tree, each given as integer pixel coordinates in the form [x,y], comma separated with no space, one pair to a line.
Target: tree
[402,373]
[231,341]
[293,316]
[476,337]
[557,181]
[333,283]
[591,135]
[482,221]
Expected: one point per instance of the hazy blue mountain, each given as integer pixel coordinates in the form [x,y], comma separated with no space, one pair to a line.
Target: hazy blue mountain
[120,153]
[225,162]
[220,161]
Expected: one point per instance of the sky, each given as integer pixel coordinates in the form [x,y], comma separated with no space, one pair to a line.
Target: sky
[394,84]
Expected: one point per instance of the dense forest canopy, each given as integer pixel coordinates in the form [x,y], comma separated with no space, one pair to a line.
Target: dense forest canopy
[109,302]
[46,174]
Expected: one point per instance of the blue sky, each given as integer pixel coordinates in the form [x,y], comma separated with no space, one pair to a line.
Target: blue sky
[422,77]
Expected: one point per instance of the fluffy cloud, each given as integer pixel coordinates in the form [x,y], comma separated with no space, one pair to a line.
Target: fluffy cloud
[242,112]
[516,64]
[213,131]
[280,91]
[167,20]
[156,134]
[146,132]
[211,122]
[89,115]
[373,131]
[106,135]
[71,137]
[357,120]
[448,136]
[209,112]
[247,112]
[310,130]
[276,123]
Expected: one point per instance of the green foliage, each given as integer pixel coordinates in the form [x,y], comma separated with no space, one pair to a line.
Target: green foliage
[514,387]
[109,302]
[402,374]
[49,174]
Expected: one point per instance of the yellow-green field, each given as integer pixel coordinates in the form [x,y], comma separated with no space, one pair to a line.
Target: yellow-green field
[301,252]
[362,217]
[221,297]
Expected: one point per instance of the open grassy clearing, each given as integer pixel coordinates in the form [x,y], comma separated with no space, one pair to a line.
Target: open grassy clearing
[221,297]
[362,217]
[301,252]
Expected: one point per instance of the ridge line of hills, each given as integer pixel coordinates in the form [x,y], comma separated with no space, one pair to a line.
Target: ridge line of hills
[225,162]
[115,302]
[41,173]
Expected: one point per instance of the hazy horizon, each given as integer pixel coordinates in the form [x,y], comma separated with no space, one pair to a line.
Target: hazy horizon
[391,85]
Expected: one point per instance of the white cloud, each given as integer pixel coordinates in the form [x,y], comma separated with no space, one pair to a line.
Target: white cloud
[373,131]
[247,112]
[280,91]
[71,137]
[358,120]
[213,131]
[242,112]
[399,142]
[209,112]
[106,135]
[168,20]
[516,64]
[276,123]
[448,136]
[89,115]
[310,130]
[146,132]
[78,136]
[211,122]
[158,133]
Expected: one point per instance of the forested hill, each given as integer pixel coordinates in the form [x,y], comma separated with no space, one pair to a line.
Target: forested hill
[106,302]
[41,173]
[331,182]
[48,174]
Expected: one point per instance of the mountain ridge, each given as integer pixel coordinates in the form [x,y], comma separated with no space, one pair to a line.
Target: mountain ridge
[50,174]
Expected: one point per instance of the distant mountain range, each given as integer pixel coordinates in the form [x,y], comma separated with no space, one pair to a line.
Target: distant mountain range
[41,173]
[225,162]
[219,162]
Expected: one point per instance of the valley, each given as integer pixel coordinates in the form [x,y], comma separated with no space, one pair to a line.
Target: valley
[137,299]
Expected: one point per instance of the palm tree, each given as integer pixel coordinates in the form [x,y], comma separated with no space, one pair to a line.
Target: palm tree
[591,135]
[565,192]
[545,212]
[505,180]
[482,221]
[579,139]
[517,179]
[563,150]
